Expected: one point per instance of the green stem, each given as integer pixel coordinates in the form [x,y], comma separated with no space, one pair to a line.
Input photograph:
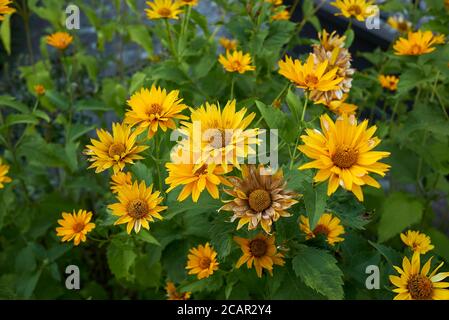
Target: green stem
[170,39]
[305,107]
[232,87]
[286,87]
[158,169]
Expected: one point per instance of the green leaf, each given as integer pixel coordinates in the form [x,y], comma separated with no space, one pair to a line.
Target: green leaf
[11,102]
[399,211]
[441,243]
[146,275]
[294,104]
[221,236]
[13,119]
[349,37]
[392,256]
[315,201]
[5,33]
[121,257]
[137,82]
[318,269]
[146,236]
[139,34]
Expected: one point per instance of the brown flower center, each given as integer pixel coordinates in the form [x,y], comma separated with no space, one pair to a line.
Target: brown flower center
[154,108]
[201,170]
[355,10]
[164,12]
[259,200]
[219,139]
[311,80]
[402,26]
[420,287]
[321,229]
[116,149]
[416,49]
[137,208]
[78,227]
[205,263]
[345,157]
[258,247]
[236,65]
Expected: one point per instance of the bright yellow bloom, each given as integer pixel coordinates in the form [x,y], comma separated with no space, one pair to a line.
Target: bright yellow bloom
[120,180]
[114,150]
[4,169]
[192,3]
[236,62]
[342,153]
[399,24]
[228,44]
[340,107]
[262,251]
[219,136]
[418,242]
[39,89]
[154,108]
[275,2]
[327,225]
[281,15]
[202,261]
[59,40]
[389,82]
[414,283]
[75,226]
[173,294]
[310,76]
[359,9]
[164,9]
[5,9]
[137,206]
[332,40]
[417,43]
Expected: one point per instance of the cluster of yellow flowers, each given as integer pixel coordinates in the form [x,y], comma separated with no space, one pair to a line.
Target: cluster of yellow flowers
[414,282]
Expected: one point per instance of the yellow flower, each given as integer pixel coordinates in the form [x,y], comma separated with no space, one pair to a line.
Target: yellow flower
[331,41]
[417,43]
[164,9]
[310,76]
[281,15]
[228,44]
[262,251]
[340,107]
[75,226]
[389,82]
[59,40]
[39,89]
[194,179]
[189,2]
[415,283]
[137,206]
[236,62]
[327,225]
[5,9]
[4,169]
[223,135]
[120,180]
[274,2]
[418,242]
[173,294]
[259,197]
[114,150]
[154,108]
[342,153]
[202,261]
[439,39]
[359,9]
[399,24]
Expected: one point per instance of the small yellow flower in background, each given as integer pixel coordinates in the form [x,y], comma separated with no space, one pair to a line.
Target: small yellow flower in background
[416,43]
[399,24]
[259,197]
[193,179]
[5,9]
[342,153]
[173,294]
[164,9]
[275,2]
[414,283]
[359,9]
[260,250]
[281,15]
[236,62]
[192,3]
[120,180]
[389,82]
[59,40]
[4,169]
[114,150]
[327,225]
[137,206]
[228,44]
[418,242]
[39,89]
[225,137]
[154,108]
[340,107]
[332,40]
[202,261]
[75,226]
[309,76]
